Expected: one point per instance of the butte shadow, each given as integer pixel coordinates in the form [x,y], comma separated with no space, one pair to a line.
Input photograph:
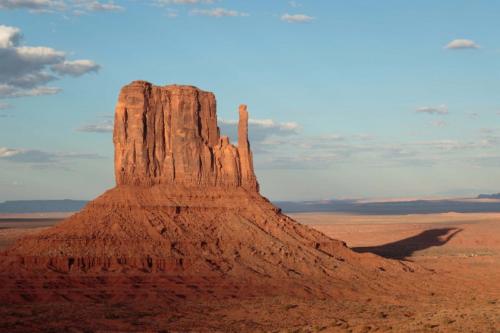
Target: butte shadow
[404,248]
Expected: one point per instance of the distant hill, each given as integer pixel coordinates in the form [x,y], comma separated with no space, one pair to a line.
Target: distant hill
[41,206]
[390,208]
[489,196]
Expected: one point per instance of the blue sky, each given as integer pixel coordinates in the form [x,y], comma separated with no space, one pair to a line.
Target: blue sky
[348,99]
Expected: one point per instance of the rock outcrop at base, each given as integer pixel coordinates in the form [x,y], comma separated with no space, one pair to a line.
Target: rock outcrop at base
[185,231]
[169,135]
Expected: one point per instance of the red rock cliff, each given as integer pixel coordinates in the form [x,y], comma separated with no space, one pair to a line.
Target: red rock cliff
[169,135]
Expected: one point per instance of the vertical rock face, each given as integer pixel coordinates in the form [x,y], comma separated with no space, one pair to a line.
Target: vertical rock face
[169,135]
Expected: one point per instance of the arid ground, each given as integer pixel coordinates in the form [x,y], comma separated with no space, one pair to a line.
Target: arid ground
[462,294]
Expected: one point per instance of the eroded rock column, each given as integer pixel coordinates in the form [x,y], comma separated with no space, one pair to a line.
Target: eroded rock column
[248,179]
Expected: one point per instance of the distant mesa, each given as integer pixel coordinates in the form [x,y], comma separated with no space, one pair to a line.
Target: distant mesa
[492,205]
[394,207]
[41,206]
[489,196]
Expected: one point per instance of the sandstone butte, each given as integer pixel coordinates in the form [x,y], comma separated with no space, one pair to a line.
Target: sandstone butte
[187,203]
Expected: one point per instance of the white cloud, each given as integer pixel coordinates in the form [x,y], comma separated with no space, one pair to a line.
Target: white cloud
[76,67]
[488,161]
[280,146]
[439,110]
[6,152]
[39,54]
[325,150]
[451,145]
[259,130]
[8,91]
[438,123]
[76,7]
[24,70]
[97,6]
[458,44]
[104,127]
[33,5]
[183,2]
[217,12]
[301,161]
[297,18]
[33,156]
[269,123]
[9,36]
[172,13]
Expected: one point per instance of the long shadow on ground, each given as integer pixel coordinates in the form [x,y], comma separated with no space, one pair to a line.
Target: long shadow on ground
[404,248]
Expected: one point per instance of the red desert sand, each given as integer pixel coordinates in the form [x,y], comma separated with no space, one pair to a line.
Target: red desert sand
[185,242]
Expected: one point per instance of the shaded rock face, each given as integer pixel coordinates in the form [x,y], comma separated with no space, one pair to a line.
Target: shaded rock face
[169,135]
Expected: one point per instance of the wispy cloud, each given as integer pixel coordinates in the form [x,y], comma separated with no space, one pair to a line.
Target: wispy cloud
[487,160]
[33,5]
[323,151]
[8,91]
[172,13]
[297,18]
[473,115]
[438,110]
[76,67]
[302,161]
[183,2]
[77,7]
[97,6]
[214,12]
[217,12]
[438,123]
[102,127]
[259,129]
[460,44]
[33,156]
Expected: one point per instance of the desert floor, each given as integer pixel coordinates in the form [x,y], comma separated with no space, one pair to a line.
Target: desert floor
[465,247]
[462,249]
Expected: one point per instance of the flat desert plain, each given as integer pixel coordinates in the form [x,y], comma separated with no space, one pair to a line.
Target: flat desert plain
[14,226]
[463,249]
[463,294]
